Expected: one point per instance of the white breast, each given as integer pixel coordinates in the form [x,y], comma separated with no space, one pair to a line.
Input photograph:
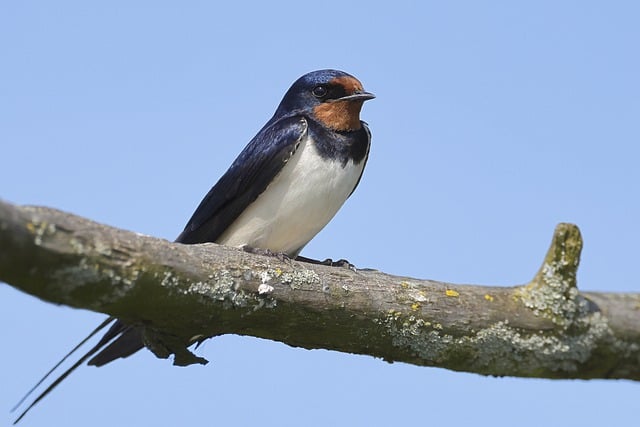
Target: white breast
[300,201]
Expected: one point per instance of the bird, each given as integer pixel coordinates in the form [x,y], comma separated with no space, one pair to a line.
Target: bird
[282,189]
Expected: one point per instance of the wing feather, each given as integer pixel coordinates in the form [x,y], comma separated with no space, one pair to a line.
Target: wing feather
[249,175]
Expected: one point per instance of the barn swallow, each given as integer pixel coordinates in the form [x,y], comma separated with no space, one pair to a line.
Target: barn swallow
[282,189]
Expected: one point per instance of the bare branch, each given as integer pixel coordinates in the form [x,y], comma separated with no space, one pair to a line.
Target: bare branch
[181,293]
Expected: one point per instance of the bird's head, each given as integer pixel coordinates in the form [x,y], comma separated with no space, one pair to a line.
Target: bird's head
[332,97]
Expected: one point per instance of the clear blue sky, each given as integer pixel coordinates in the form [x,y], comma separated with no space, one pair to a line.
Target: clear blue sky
[493,122]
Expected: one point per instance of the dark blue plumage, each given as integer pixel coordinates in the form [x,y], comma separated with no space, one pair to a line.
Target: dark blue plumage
[281,190]
[266,154]
[245,180]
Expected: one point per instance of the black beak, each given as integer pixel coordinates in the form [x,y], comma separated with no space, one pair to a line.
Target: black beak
[358,96]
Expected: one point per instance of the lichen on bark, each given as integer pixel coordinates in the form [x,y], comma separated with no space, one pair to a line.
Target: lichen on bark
[180,294]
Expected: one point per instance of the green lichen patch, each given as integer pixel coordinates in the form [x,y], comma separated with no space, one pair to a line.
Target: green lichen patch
[80,280]
[40,229]
[500,349]
[553,296]
[553,293]
[298,279]
[220,287]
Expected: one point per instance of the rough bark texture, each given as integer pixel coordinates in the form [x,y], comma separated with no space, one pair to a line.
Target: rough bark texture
[184,293]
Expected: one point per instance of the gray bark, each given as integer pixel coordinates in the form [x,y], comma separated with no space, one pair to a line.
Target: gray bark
[185,293]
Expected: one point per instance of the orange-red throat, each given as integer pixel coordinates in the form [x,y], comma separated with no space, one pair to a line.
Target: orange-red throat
[343,114]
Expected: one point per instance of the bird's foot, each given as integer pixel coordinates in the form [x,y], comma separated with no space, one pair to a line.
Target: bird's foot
[329,262]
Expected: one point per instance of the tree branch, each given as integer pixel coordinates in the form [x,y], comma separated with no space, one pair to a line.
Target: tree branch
[184,293]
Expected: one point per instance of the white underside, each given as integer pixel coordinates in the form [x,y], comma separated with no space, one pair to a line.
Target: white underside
[300,201]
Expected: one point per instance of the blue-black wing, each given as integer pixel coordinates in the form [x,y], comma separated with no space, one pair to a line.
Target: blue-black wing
[249,175]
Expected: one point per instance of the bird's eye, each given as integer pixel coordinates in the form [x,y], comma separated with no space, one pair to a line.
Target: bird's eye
[319,91]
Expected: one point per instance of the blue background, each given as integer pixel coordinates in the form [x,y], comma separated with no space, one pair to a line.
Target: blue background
[493,122]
